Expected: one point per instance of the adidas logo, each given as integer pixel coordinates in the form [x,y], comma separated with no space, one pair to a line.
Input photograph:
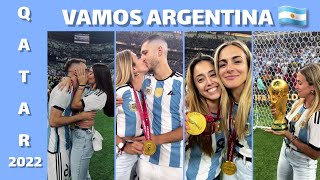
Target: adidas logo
[171,93]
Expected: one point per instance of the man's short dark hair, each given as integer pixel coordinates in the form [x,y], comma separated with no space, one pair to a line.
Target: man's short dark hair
[71,61]
[153,38]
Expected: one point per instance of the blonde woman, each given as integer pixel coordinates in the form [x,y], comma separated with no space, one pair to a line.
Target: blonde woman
[301,146]
[130,73]
[233,64]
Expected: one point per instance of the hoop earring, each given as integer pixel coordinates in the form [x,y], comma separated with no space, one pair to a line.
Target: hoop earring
[313,92]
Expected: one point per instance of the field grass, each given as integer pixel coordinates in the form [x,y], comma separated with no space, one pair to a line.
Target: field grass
[266,153]
[102,162]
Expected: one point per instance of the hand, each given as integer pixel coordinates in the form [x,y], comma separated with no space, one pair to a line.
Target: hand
[65,82]
[89,116]
[85,123]
[119,100]
[142,139]
[82,75]
[273,110]
[278,133]
[134,148]
[187,127]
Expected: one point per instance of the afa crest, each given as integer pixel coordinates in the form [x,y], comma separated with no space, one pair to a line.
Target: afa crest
[132,106]
[303,124]
[148,91]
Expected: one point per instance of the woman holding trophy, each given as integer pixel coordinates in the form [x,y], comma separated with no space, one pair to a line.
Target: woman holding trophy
[233,64]
[301,146]
[203,91]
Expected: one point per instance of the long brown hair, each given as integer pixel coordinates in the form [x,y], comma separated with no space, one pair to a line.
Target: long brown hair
[103,80]
[196,102]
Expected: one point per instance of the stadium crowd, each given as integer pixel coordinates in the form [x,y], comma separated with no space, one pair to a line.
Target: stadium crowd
[207,42]
[282,56]
[60,51]
[132,41]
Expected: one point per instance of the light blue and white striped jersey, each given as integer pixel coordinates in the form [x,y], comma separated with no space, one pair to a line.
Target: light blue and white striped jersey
[244,146]
[59,137]
[94,100]
[164,102]
[128,118]
[308,134]
[199,166]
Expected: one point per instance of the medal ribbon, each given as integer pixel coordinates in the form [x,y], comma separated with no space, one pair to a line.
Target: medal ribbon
[210,119]
[143,114]
[231,137]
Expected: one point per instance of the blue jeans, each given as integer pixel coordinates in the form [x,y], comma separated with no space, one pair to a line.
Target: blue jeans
[81,154]
[294,165]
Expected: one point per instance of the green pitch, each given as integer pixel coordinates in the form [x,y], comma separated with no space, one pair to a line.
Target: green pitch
[102,162]
[266,153]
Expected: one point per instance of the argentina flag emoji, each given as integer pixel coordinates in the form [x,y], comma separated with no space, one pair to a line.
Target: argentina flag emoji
[292,15]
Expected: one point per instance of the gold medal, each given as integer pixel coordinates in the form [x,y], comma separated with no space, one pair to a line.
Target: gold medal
[229,168]
[197,123]
[149,148]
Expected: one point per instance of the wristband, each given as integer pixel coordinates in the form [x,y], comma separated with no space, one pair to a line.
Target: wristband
[81,85]
[125,143]
[121,149]
[292,139]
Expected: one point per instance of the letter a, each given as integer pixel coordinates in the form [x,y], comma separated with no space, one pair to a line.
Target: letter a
[24,45]
[24,108]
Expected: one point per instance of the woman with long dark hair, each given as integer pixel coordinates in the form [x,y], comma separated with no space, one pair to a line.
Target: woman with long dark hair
[99,96]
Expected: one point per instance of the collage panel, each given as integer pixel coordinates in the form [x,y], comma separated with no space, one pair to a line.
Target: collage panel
[149,112]
[218,104]
[80,105]
[286,105]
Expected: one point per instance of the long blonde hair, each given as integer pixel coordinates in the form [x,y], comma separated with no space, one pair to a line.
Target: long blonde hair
[196,102]
[124,72]
[312,74]
[245,101]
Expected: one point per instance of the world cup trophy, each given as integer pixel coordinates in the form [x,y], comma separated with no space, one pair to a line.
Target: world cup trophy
[278,91]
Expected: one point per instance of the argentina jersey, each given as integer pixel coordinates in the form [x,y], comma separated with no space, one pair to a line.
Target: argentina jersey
[127,115]
[307,130]
[94,100]
[59,137]
[164,102]
[244,146]
[199,165]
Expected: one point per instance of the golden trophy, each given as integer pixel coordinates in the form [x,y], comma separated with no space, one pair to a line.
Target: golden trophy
[278,91]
